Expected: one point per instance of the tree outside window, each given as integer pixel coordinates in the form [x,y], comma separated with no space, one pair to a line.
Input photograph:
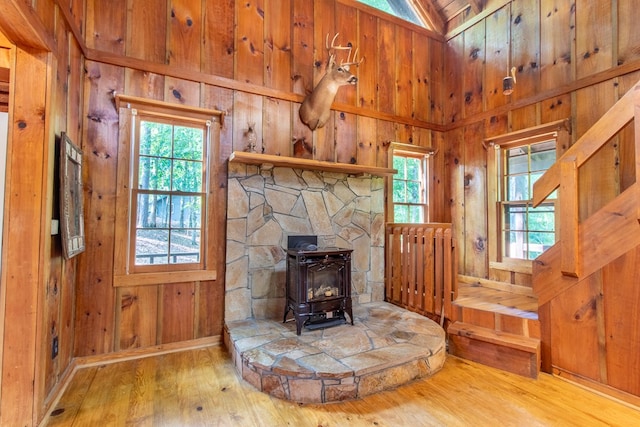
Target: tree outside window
[526,231]
[409,188]
[168,197]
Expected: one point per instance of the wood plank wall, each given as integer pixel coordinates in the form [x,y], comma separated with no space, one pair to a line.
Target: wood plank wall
[572,59]
[267,54]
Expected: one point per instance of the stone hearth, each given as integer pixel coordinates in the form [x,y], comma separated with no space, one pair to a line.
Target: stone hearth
[387,347]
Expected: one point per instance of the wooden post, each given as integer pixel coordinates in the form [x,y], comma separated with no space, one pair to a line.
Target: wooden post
[569,222]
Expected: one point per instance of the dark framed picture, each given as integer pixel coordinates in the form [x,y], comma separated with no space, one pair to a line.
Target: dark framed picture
[71,209]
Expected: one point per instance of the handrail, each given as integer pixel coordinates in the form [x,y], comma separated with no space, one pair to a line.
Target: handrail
[593,139]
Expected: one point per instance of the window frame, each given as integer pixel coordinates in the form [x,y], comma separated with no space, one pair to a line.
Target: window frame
[409,150]
[557,131]
[132,111]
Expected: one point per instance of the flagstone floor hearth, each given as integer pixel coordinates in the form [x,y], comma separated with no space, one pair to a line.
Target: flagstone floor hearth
[385,348]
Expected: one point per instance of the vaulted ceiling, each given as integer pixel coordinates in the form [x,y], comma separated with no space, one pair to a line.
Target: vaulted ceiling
[442,15]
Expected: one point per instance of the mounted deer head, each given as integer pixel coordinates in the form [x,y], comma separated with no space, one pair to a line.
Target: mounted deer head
[316,107]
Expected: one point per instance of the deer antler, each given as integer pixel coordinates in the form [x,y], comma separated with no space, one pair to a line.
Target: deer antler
[332,56]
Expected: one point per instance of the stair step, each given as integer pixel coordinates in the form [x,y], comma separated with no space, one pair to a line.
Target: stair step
[509,352]
[497,301]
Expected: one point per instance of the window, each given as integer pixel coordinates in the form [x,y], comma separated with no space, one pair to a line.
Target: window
[400,8]
[164,193]
[168,192]
[409,189]
[525,231]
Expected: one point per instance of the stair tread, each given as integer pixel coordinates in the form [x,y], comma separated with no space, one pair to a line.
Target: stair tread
[528,344]
[499,301]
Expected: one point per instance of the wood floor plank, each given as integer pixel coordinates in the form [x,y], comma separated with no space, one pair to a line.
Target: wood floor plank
[201,388]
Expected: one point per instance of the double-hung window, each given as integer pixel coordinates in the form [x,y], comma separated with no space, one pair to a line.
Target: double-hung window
[409,198]
[164,198]
[526,231]
[518,231]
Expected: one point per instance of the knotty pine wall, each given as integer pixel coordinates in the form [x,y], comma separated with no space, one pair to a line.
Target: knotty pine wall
[573,60]
[254,60]
[37,295]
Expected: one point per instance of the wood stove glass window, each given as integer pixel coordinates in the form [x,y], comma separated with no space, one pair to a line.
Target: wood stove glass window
[324,280]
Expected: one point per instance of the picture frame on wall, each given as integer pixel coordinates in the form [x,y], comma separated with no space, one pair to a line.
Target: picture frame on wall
[71,205]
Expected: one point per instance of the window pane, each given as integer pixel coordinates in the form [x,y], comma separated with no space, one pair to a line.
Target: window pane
[155,139]
[515,244]
[185,246]
[542,219]
[399,191]
[542,161]
[415,214]
[401,213]
[188,143]
[516,217]
[187,176]
[185,211]
[518,187]
[413,192]
[517,160]
[152,247]
[152,211]
[154,173]
[414,169]
[399,163]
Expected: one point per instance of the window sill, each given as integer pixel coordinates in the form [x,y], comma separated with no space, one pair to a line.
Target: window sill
[144,279]
[513,264]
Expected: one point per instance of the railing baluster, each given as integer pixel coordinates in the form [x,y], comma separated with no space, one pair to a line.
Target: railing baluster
[568,195]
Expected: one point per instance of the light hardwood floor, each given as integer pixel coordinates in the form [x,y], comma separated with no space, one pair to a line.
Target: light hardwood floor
[200,387]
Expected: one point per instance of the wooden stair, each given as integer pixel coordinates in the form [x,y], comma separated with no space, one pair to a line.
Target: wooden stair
[496,324]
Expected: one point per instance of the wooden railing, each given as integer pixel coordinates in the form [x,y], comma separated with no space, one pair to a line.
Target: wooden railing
[564,175]
[421,268]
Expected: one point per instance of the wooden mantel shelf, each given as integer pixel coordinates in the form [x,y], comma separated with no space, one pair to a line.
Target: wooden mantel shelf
[298,163]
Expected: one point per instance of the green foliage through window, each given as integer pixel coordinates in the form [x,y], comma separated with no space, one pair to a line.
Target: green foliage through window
[170,193]
[526,231]
[409,189]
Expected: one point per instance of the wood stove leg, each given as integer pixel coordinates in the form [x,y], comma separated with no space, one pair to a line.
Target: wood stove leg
[299,321]
[350,313]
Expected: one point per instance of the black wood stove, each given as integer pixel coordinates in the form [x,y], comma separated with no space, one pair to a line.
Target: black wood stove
[318,284]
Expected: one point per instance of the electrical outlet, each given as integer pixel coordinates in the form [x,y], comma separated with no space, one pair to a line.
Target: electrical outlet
[54,347]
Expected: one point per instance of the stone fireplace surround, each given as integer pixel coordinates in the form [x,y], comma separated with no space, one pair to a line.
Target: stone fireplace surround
[385,348]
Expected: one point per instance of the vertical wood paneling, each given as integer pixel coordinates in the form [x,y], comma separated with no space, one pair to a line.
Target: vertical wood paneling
[386,66]
[176,316]
[106,25]
[453,79]
[95,303]
[302,73]
[146,39]
[247,111]
[437,86]
[622,307]
[525,56]
[556,56]
[347,27]
[218,49]
[386,134]
[422,82]
[276,129]
[497,46]
[181,91]
[22,271]
[277,46]
[137,318]
[474,59]
[184,37]
[367,71]
[346,134]
[367,148]
[249,42]
[475,200]
[404,75]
